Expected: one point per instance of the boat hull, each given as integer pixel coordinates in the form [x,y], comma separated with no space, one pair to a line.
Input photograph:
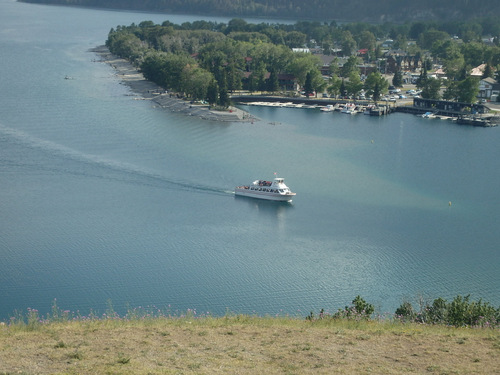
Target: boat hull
[264,195]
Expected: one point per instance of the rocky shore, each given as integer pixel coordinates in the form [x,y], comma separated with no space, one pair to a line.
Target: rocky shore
[148,90]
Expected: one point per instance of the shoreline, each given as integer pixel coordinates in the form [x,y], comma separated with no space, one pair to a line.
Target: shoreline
[148,90]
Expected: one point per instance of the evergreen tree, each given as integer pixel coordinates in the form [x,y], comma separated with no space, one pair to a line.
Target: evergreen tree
[422,79]
[273,83]
[468,89]
[397,80]
[252,83]
[212,92]
[451,91]
[233,77]
[224,100]
[431,88]
[308,87]
[223,94]
[488,71]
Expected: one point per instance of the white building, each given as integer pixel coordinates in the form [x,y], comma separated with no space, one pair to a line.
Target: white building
[489,89]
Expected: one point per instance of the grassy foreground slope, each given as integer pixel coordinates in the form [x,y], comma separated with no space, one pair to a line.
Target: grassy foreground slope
[246,345]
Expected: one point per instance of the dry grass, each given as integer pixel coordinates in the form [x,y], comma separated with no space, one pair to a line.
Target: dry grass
[246,345]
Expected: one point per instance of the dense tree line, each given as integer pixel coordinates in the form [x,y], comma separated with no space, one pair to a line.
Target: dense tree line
[354,10]
[204,57]
[199,62]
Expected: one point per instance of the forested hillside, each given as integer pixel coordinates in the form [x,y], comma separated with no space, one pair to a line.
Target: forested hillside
[325,10]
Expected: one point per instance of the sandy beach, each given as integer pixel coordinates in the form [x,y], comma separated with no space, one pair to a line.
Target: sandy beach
[147,90]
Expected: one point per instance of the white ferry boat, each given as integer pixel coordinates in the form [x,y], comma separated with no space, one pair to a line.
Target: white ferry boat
[261,189]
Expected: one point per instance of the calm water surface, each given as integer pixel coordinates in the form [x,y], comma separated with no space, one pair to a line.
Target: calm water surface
[105,198]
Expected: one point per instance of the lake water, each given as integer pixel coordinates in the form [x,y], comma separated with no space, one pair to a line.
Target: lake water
[105,198]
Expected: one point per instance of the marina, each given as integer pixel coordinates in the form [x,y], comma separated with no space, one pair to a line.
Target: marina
[482,119]
[342,107]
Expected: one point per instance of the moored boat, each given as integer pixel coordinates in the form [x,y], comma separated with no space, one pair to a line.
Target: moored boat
[327,108]
[349,108]
[261,189]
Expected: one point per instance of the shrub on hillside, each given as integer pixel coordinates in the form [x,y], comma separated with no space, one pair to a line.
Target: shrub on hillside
[459,313]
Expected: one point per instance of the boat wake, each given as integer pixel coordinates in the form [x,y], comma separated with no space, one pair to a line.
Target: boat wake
[90,165]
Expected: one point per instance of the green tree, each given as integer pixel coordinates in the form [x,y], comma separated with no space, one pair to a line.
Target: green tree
[165,69]
[126,45]
[354,85]
[295,39]
[334,85]
[417,29]
[236,24]
[367,40]
[333,68]
[260,77]
[349,66]
[468,89]
[423,77]
[273,83]
[308,84]
[343,90]
[196,81]
[397,80]
[348,43]
[431,89]
[375,85]
[252,83]
[302,64]
[233,77]
[224,100]
[427,38]
[213,92]
[473,53]
[488,71]
[401,42]
[454,61]
[451,90]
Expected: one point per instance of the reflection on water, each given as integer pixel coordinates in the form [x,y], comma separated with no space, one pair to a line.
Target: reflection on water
[271,209]
[267,207]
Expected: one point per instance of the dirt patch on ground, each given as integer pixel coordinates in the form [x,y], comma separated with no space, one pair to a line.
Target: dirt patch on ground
[258,346]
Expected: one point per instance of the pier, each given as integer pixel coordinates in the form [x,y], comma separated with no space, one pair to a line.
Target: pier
[460,113]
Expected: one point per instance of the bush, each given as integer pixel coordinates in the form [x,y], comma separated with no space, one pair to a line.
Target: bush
[459,313]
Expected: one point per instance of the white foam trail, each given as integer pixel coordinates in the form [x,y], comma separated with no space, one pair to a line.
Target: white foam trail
[148,177]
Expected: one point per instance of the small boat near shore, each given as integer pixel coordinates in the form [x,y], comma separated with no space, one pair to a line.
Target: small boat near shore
[350,109]
[262,189]
[327,108]
[429,115]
